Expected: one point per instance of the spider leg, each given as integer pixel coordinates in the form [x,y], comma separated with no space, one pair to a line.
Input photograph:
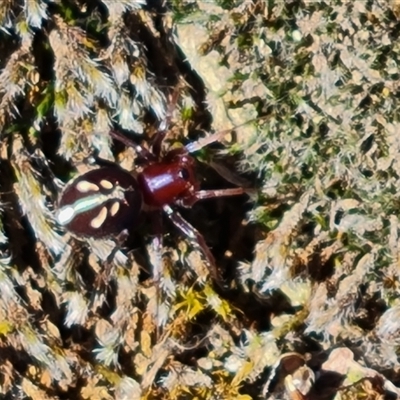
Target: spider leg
[209,194]
[103,279]
[228,174]
[196,237]
[143,153]
[156,222]
[216,137]
[165,124]
[157,142]
[205,141]
[157,244]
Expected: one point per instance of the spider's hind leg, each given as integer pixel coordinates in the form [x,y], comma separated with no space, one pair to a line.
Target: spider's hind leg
[103,278]
[197,238]
[159,304]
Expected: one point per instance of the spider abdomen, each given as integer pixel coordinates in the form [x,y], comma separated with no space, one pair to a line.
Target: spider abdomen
[100,203]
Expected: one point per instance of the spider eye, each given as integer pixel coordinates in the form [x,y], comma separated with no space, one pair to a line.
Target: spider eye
[184,174]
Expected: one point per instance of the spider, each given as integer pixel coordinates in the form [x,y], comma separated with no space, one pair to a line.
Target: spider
[108,201]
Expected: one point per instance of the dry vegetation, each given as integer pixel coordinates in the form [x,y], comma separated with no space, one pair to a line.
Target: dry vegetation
[311,261]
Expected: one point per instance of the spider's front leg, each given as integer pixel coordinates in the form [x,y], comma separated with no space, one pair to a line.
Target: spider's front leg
[209,194]
[142,152]
[196,237]
[216,136]
[153,155]
[156,144]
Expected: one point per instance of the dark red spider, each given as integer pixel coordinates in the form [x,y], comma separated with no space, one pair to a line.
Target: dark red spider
[108,201]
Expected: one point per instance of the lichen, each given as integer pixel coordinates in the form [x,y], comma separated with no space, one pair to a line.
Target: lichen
[306,96]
